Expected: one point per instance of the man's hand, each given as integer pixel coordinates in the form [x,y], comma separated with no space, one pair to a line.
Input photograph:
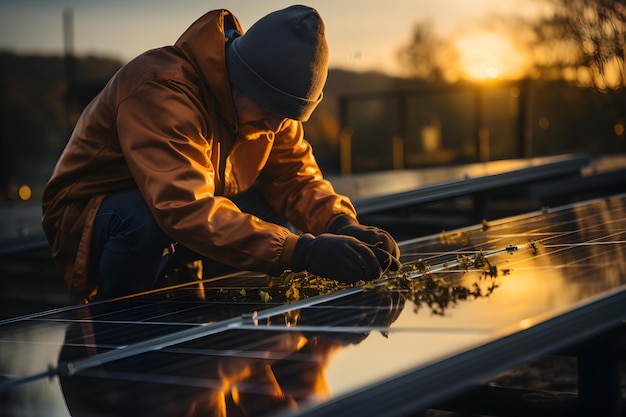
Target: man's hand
[342,258]
[369,234]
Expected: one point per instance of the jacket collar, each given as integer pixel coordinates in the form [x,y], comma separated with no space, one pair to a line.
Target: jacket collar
[203,43]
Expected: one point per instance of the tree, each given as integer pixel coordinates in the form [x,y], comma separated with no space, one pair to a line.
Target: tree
[582,41]
[425,54]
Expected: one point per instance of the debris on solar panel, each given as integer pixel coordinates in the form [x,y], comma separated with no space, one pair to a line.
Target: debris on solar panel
[432,290]
[461,237]
[478,261]
[265,296]
[415,281]
[294,286]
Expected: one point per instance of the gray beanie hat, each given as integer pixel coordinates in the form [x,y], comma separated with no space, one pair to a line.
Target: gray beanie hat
[281,62]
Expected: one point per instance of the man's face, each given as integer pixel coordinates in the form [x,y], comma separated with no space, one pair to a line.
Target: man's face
[252,118]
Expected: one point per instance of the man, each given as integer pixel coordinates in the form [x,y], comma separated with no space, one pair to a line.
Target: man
[199,147]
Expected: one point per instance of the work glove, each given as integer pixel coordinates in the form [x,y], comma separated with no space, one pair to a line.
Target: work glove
[342,258]
[371,235]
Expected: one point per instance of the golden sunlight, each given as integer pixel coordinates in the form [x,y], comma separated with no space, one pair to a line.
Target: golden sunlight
[488,56]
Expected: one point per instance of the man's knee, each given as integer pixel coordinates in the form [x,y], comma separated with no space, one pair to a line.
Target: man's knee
[124,222]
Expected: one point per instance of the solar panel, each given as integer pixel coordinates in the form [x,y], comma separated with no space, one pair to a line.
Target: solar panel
[377,191]
[468,304]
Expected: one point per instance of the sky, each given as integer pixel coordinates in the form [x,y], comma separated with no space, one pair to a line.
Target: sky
[362,35]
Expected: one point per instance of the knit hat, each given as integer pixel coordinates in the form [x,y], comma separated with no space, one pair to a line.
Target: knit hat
[281,62]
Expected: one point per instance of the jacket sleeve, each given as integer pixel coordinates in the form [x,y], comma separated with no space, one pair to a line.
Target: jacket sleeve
[293,183]
[161,129]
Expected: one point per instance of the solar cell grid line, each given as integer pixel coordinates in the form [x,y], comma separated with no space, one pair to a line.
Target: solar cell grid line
[139,312]
[100,310]
[157,337]
[123,334]
[170,339]
[529,233]
[572,246]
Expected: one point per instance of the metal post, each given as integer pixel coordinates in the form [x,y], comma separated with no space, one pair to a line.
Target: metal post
[599,388]
[482,133]
[524,120]
[398,141]
[70,64]
[345,138]
[345,150]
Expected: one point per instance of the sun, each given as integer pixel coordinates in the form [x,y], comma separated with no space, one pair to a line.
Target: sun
[487,56]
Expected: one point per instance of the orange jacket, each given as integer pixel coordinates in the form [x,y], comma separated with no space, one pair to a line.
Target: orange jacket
[166,124]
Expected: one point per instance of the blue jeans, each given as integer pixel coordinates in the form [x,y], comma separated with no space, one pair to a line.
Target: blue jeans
[127,247]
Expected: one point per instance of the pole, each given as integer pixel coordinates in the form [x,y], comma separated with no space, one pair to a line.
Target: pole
[70,66]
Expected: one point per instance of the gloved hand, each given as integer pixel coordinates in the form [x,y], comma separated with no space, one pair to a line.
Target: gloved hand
[371,235]
[342,258]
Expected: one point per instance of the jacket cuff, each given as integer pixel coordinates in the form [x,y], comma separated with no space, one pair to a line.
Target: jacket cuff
[286,256]
[341,221]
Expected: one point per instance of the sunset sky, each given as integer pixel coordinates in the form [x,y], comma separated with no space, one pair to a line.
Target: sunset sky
[362,35]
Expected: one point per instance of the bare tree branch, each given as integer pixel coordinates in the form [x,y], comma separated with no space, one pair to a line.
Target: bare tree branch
[583,39]
[421,56]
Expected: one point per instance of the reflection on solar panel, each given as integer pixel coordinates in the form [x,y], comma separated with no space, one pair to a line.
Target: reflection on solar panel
[469,304]
[376,191]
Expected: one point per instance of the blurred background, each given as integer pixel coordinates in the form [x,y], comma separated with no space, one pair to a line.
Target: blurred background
[412,85]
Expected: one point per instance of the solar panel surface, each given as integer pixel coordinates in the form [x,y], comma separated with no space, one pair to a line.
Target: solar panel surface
[468,304]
